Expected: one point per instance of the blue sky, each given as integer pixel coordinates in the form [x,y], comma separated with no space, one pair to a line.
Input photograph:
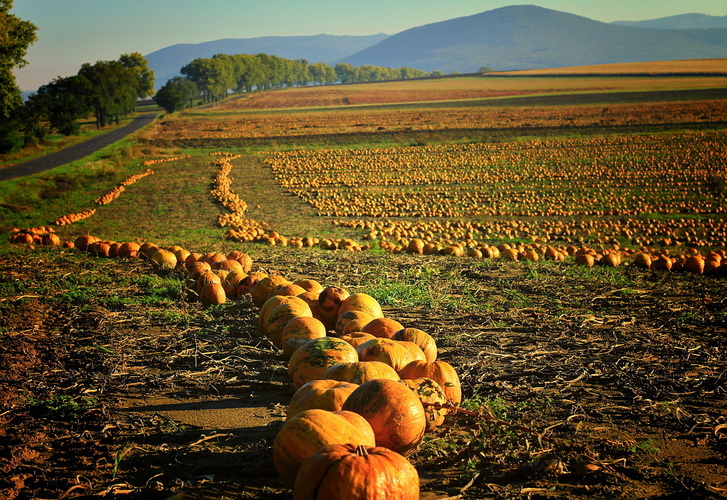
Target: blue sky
[72,32]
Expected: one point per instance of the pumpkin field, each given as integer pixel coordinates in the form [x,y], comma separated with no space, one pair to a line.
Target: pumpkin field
[458,288]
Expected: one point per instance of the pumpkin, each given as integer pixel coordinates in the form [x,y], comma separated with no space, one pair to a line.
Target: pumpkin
[198,266]
[281,316]
[205,278]
[260,291]
[267,308]
[428,391]
[329,302]
[82,242]
[694,264]
[290,289]
[298,331]
[213,257]
[351,472]
[147,249]
[359,372]
[357,338]
[50,239]
[164,259]
[316,356]
[382,327]
[212,294]
[249,282]
[227,265]
[361,302]
[642,260]
[355,325]
[585,259]
[425,341]
[441,372]
[394,412]
[303,434]
[244,259]
[323,394]
[414,350]
[386,350]
[311,298]
[192,257]
[309,285]
[348,316]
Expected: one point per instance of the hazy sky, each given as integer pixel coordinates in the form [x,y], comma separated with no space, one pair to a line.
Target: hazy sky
[72,32]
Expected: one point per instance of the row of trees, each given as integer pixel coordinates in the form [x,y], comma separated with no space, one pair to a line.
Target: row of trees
[215,77]
[108,89]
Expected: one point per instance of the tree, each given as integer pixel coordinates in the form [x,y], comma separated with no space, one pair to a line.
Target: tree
[175,94]
[61,102]
[346,72]
[322,73]
[144,75]
[16,35]
[112,89]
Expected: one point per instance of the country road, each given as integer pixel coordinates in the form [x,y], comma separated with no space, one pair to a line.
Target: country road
[75,152]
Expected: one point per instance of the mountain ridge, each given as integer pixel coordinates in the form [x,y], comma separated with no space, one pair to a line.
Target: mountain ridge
[530,37]
[516,37]
[680,21]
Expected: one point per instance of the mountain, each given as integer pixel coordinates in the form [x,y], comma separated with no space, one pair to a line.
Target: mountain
[680,22]
[530,37]
[167,62]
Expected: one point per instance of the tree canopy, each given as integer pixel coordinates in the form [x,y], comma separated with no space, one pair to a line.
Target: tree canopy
[16,35]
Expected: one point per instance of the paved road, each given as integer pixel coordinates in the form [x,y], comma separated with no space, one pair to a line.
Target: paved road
[75,152]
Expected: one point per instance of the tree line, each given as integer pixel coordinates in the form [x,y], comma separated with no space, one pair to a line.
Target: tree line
[214,78]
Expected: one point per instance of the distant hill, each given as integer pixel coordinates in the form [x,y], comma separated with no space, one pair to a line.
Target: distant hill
[530,37]
[680,22]
[167,62]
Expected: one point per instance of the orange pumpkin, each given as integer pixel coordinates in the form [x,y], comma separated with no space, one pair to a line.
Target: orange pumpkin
[267,308]
[357,338]
[382,327]
[355,325]
[323,394]
[260,292]
[247,284]
[359,372]
[356,473]
[425,341]
[212,294]
[311,298]
[316,356]
[349,316]
[414,350]
[441,372]
[386,350]
[290,289]
[309,285]
[361,302]
[281,316]
[227,265]
[394,412]
[298,331]
[244,259]
[309,430]
[329,302]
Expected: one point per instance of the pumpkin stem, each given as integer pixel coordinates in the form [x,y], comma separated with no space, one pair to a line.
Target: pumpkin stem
[361,451]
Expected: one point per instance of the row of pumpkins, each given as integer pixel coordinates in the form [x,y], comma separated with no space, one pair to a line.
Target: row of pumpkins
[366,388]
